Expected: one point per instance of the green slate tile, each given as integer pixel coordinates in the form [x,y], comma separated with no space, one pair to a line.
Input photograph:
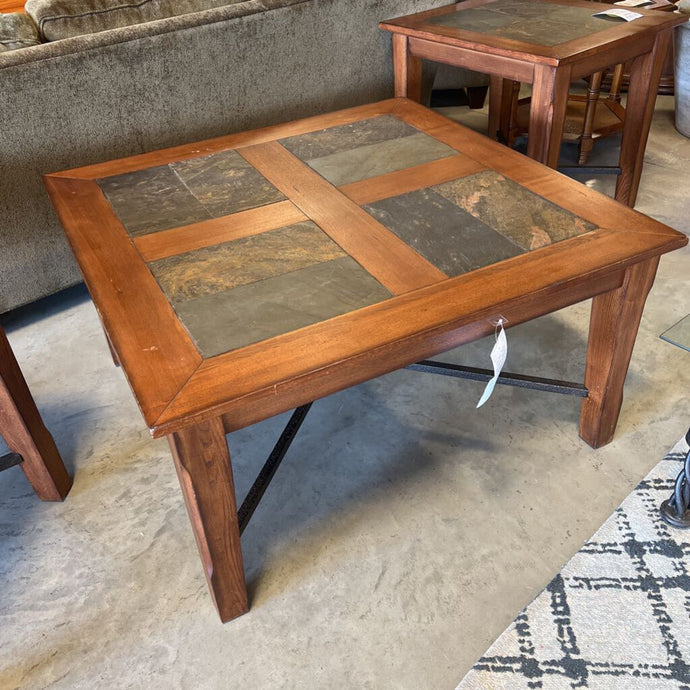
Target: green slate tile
[444,234]
[526,20]
[475,19]
[185,192]
[151,200]
[380,158]
[225,183]
[345,137]
[527,219]
[224,266]
[247,314]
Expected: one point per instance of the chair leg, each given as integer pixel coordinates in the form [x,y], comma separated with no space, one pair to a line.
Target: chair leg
[476,95]
[586,141]
[616,82]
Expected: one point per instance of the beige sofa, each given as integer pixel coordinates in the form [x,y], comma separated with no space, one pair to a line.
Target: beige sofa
[85,98]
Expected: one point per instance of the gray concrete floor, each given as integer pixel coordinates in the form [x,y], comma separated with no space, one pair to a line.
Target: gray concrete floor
[403,533]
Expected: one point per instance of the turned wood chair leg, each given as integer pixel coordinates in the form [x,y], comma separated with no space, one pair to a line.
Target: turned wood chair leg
[586,140]
[616,82]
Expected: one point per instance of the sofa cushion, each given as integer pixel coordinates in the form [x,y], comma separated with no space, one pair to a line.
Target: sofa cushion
[57,19]
[17,31]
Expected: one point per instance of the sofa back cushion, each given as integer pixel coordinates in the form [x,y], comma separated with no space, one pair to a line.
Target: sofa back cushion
[17,31]
[57,19]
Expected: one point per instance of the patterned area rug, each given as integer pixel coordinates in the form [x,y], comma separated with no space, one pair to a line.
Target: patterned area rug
[616,617]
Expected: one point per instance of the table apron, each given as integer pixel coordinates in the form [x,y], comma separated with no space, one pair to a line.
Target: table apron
[600,60]
[506,67]
[523,70]
[300,390]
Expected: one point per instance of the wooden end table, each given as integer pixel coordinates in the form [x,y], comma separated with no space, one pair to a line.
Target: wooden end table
[244,276]
[549,44]
[32,446]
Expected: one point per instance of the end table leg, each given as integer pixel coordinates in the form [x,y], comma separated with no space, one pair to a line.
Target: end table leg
[407,70]
[203,467]
[613,327]
[547,113]
[645,73]
[22,428]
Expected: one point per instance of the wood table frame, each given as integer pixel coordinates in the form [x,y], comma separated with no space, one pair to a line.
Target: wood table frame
[195,402]
[24,432]
[549,69]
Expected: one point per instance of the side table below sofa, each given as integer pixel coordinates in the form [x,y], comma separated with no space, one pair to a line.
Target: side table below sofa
[22,428]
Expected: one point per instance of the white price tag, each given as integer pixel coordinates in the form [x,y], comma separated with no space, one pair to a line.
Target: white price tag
[626,15]
[633,3]
[499,352]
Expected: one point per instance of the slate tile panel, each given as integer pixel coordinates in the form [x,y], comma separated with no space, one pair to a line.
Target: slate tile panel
[239,262]
[185,192]
[151,200]
[443,233]
[527,20]
[225,183]
[378,159]
[325,142]
[257,311]
[350,153]
[525,218]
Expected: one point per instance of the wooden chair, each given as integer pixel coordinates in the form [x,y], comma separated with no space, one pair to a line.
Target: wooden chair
[588,117]
[22,428]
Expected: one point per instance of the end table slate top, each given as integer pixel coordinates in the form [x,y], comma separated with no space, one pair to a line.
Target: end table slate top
[540,31]
[228,268]
[530,21]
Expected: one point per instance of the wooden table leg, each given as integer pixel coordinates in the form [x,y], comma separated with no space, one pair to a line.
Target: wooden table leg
[645,73]
[614,322]
[203,467]
[407,70]
[24,432]
[547,113]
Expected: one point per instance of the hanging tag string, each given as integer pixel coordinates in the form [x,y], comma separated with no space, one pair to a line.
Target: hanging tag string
[499,352]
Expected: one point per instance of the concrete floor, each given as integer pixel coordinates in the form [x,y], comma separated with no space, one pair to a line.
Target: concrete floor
[403,533]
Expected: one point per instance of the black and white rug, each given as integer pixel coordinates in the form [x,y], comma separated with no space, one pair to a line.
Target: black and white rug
[616,617]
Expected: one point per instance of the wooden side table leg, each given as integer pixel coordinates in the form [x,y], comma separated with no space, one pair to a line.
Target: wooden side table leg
[496,94]
[614,322]
[24,432]
[407,70]
[203,467]
[547,113]
[645,73]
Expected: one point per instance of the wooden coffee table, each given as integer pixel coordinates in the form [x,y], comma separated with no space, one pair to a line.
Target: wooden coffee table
[549,44]
[241,277]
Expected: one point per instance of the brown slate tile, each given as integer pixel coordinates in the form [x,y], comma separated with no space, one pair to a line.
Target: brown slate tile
[345,137]
[150,200]
[250,313]
[522,216]
[225,183]
[444,234]
[224,266]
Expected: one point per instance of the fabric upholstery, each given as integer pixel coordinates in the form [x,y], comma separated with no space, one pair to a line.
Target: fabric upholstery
[58,19]
[17,31]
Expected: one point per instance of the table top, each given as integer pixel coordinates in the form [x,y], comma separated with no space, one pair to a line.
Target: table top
[247,274]
[534,30]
